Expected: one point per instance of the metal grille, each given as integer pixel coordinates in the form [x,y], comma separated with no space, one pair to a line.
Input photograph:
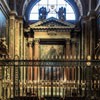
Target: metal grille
[49,78]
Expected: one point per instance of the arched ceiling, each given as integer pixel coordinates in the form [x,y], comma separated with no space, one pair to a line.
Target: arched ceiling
[83,6]
[78,3]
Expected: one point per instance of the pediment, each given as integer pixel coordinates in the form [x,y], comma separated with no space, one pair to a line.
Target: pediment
[51,23]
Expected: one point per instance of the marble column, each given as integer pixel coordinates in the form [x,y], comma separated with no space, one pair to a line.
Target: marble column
[85,38]
[68,49]
[67,69]
[21,47]
[17,38]
[93,33]
[11,36]
[73,58]
[74,48]
[36,57]
[21,38]
[12,21]
[26,57]
[30,44]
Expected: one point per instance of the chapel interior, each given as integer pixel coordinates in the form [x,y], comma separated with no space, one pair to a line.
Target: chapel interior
[49,49]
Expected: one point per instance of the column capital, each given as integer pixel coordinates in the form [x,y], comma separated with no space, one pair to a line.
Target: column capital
[74,40]
[92,14]
[84,19]
[67,41]
[30,39]
[36,41]
[30,44]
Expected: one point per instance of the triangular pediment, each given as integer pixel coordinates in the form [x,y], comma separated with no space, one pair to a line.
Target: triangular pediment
[51,23]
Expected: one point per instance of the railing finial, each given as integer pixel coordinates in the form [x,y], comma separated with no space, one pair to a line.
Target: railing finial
[88,57]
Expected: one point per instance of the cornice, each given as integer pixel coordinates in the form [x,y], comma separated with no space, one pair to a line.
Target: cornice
[13,13]
[84,18]
[52,28]
[51,24]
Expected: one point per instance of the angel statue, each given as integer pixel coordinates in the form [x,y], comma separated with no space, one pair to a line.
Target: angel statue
[62,13]
[43,13]
[3,48]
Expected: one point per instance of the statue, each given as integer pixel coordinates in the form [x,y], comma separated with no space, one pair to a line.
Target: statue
[43,13]
[3,48]
[62,13]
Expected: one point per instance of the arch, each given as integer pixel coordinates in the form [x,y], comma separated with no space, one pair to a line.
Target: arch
[52,8]
[31,3]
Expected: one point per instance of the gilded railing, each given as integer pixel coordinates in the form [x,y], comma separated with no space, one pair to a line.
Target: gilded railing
[54,77]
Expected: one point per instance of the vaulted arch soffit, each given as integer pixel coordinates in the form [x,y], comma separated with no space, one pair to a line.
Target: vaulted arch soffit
[28,4]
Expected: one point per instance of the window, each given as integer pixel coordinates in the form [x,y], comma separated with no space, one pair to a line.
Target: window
[52,7]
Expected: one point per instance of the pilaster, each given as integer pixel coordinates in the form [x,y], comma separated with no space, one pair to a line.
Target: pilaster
[30,46]
[17,38]
[11,36]
[85,37]
[93,32]
[36,56]
[68,53]
[68,48]
[21,38]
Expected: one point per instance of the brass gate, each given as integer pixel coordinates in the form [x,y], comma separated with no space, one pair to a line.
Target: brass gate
[49,78]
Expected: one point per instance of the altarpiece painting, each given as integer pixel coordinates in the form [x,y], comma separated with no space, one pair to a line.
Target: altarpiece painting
[49,52]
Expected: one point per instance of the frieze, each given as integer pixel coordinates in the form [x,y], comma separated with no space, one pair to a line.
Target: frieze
[52,23]
[52,33]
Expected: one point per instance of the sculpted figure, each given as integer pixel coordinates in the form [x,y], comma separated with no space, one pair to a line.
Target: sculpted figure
[43,13]
[62,13]
[3,48]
